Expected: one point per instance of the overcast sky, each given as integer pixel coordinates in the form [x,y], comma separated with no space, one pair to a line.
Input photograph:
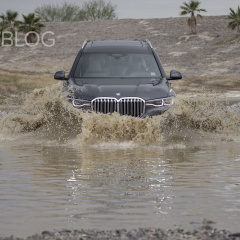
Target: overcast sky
[131,8]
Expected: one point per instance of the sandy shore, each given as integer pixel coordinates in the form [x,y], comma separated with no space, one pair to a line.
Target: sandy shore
[206,232]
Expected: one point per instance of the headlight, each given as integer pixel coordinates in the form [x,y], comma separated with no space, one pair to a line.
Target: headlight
[81,103]
[157,102]
[168,101]
[160,102]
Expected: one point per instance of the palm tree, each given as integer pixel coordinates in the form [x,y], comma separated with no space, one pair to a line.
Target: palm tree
[3,26]
[29,25]
[191,8]
[235,20]
[3,17]
[10,18]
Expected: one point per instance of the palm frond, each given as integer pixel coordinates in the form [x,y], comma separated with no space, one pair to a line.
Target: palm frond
[232,13]
[3,17]
[184,8]
[232,25]
[31,23]
[184,13]
[238,11]
[11,15]
[186,4]
[202,10]
[191,7]
[194,5]
[234,16]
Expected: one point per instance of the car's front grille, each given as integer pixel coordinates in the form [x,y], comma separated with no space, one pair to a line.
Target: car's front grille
[131,106]
[104,105]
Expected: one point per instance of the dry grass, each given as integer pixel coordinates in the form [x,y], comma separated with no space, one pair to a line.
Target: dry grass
[232,39]
[18,83]
[209,83]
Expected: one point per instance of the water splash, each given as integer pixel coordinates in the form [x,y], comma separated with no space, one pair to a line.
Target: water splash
[47,113]
[45,110]
[199,116]
[101,127]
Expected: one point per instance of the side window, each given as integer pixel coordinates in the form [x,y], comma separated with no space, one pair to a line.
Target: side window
[151,65]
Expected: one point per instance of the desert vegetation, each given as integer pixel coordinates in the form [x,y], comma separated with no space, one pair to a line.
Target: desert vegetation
[191,8]
[65,12]
[68,12]
[10,24]
[9,19]
[234,20]
[30,24]
[99,10]
[14,83]
[194,6]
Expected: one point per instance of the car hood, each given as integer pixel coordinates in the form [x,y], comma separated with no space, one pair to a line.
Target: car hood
[144,91]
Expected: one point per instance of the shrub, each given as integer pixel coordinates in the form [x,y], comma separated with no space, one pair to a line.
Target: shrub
[67,12]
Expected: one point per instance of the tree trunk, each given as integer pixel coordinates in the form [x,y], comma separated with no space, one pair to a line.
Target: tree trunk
[12,24]
[192,23]
[29,38]
[238,29]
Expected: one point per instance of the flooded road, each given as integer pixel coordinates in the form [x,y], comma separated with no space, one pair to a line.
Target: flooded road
[64,169]
[110,186]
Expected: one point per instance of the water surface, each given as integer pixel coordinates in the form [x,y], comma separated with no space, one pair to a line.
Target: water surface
[61,168]
[118,186]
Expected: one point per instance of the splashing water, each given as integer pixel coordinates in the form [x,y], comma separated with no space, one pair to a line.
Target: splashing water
[47,113]
[202,115]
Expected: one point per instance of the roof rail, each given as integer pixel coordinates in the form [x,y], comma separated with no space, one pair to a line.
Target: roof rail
[85,42]
[148,42]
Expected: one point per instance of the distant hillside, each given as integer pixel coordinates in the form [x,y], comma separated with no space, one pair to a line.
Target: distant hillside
[215,50]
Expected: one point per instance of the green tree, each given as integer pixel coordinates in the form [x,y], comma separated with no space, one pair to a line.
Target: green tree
[31,23]
[99,10]
[10,18]
[235,20]
[66,12]
[8,23]
[3,26]
[191,8]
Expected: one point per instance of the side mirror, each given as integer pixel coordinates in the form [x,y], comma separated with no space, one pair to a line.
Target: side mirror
[174,75]
[60,75]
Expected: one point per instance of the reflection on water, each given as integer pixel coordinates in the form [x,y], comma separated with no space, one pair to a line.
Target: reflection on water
[55,187]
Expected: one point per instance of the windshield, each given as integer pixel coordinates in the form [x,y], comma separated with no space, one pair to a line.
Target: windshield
[123,65]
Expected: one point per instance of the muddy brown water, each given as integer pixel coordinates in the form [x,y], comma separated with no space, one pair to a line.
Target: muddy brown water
[60,168]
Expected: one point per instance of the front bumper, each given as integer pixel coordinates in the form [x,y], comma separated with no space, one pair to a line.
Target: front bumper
[154,111]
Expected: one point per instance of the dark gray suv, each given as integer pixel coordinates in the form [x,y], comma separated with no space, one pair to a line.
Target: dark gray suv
[119,76]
